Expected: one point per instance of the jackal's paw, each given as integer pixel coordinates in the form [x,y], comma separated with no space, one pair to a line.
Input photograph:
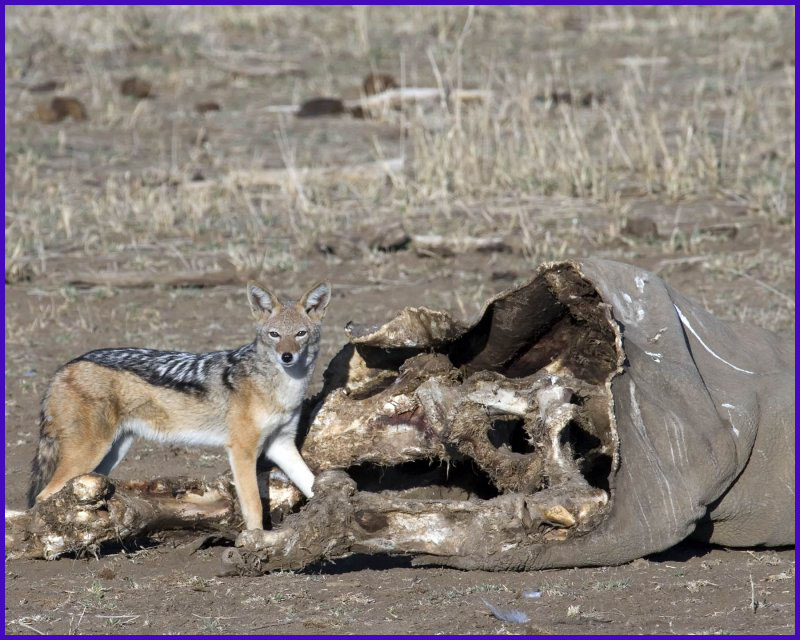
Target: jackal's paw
[252,538]
[258,539]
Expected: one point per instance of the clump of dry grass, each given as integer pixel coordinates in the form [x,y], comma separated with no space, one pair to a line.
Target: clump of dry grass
[729,136]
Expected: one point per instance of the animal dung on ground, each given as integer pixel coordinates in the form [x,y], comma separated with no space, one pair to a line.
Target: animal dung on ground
[392,237]
[373,84]
[643,227]
[585,99]
[59,108]
[18,271]
[43,87]
[204,107]
[106,573]
[136,87]
[316,107]
[378,83]
[386,238]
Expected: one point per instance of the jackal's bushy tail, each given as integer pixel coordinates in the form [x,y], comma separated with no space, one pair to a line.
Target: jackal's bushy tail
[44,462]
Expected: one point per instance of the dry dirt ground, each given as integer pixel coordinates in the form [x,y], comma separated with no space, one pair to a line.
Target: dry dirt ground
[661,137]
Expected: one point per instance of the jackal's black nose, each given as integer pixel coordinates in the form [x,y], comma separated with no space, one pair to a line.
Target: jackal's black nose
[287,357]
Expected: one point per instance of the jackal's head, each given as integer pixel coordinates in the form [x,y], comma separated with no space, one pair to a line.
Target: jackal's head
[289,333]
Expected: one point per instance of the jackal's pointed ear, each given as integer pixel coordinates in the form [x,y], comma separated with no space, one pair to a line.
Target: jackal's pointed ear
[316,300]
[261,300]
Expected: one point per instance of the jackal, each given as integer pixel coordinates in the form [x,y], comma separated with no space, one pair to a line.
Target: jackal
[247,400]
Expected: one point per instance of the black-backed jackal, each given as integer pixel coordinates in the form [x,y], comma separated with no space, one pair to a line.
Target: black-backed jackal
[247,400]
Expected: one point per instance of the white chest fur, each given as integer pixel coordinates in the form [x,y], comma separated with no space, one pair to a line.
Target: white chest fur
[289,391]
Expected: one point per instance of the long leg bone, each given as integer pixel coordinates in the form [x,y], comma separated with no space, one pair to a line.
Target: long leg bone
[340,521]
[91,509]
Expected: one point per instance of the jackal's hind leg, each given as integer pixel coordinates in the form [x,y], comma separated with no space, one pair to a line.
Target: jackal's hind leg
[78,454]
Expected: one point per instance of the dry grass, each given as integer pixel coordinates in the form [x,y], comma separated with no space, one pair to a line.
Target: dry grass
[686,103]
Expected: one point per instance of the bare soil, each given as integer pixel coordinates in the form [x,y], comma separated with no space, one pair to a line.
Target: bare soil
[165,590]
[684,167]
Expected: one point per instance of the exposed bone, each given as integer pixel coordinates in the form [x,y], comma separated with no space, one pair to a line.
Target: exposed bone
[499,401]
[559,516]
[413,327]
[439,419]
[493,410]
[93,509]
[344,521]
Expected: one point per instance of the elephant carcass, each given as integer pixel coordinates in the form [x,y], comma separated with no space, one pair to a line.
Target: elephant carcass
[590,416]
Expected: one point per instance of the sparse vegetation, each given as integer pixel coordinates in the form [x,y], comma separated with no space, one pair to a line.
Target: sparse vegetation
[562,132]
[610,585]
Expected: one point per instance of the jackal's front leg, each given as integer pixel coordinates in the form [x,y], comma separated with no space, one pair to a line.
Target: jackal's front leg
[282,451]
[243,465]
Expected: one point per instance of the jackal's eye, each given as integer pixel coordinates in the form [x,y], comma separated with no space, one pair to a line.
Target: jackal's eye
[300,334]
[274,334]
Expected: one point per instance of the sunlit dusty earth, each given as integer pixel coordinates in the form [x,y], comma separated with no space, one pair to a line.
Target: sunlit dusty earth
[660,137]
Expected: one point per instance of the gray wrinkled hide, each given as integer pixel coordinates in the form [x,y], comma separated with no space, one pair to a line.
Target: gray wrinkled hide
[704,412]
[705,419]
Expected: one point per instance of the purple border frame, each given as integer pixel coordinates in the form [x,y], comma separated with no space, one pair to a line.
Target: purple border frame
[579,3]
